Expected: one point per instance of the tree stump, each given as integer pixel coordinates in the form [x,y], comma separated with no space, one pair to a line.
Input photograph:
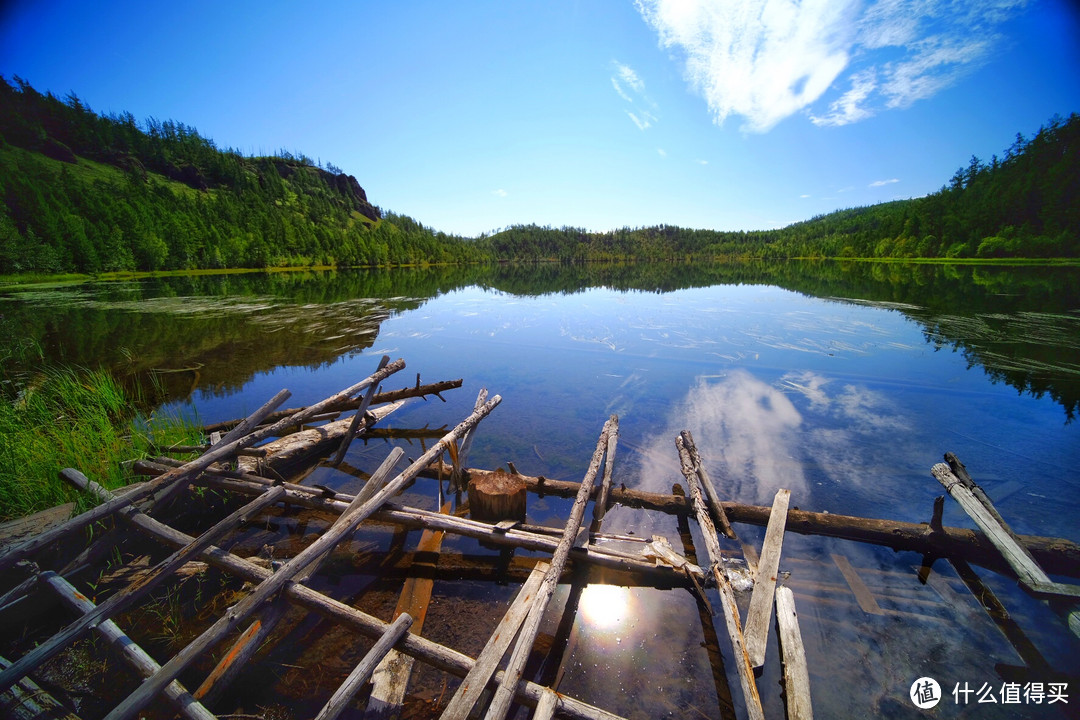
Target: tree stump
[496,495]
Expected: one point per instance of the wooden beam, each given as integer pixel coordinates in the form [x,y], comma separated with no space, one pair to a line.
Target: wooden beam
[347,439]
[715,506]
[863,596]
[761,600]
[796,673]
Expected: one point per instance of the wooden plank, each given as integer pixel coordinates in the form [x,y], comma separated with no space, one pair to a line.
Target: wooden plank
[487,661]
[863,596]
[391,676]
[360,674]
[515,667]
[796,673]
[756,631]
[133,654]
[727,596]
[344,525]
[134,592]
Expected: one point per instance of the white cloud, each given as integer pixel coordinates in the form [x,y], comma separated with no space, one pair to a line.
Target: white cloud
[500,192]
[804,196]
[769,59]
[883,183]
[662,152]
[701,162]
[630,88]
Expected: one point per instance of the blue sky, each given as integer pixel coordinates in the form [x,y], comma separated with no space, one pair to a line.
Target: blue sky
[471,116]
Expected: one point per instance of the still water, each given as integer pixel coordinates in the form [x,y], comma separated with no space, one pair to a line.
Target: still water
[843,384]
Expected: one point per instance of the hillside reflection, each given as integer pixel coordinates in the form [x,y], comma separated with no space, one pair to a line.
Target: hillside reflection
[214,332]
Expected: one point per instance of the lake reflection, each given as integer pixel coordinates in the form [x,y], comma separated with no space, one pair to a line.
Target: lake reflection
[843,384]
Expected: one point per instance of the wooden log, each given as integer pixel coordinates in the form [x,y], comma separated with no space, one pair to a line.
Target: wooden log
[727,599]
[980,508]
[504,695]
[391,676]
[796,673]
[350,404]
[761,600]
[249,423]
[134,655]
[438,656]
[600,508]
[1056,555]
[715,506]
[496,495]
[354,426]
[131,594]
[1018,558]
[291,451]
[360,674]
[348,522]
[28,701]
[549,703]
[470,689]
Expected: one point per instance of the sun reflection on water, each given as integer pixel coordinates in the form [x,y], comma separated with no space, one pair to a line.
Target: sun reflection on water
[604,607]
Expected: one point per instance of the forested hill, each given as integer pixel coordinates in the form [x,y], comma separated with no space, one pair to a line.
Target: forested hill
[83,192]
[91,193]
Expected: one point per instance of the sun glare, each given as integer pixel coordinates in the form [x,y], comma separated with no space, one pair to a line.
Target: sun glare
[604,606]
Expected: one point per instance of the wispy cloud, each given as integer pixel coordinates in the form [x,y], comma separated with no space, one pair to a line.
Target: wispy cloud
[699,161]
[767,60]
[883,183]
[662,152]
[500,192]
[804,196]
[631,88]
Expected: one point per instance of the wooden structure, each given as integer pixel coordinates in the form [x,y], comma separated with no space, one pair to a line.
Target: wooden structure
[264,457]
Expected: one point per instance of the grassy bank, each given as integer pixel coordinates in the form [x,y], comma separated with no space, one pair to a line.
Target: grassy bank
[73,418]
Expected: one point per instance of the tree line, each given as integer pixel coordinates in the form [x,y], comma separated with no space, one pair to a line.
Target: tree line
[91,193]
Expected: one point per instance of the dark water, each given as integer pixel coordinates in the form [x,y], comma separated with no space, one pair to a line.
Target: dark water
[841,383]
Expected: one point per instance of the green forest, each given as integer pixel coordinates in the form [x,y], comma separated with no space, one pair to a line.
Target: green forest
[90,193]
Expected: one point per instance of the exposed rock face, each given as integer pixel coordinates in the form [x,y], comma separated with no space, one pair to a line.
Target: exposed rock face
[189,175]
[350,189]
[59,151]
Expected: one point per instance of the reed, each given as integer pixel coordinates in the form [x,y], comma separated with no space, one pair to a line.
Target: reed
[74,418]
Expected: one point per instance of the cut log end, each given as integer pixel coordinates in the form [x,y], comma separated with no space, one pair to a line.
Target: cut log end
[496,495]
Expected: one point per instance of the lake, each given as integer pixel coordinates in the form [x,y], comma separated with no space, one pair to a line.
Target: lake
[843,383]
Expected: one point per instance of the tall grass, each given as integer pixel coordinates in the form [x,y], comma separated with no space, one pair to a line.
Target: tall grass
[73,418]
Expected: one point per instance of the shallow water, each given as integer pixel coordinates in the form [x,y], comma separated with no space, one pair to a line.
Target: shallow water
[843,385]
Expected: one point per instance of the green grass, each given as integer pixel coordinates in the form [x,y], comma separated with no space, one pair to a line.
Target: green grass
[73,418]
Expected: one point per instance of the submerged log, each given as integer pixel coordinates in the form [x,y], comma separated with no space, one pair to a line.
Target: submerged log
[496,495]
[1055,555]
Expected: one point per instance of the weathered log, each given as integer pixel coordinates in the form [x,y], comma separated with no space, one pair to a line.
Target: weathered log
[351,404]
[282,456]
[354,426]
[487,661]
[715,507]
[515,666]
[28,701]
[348,522]
[125,598]
[438,656]
[1055,555]
[496,495]
[135,656]
[743,666]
